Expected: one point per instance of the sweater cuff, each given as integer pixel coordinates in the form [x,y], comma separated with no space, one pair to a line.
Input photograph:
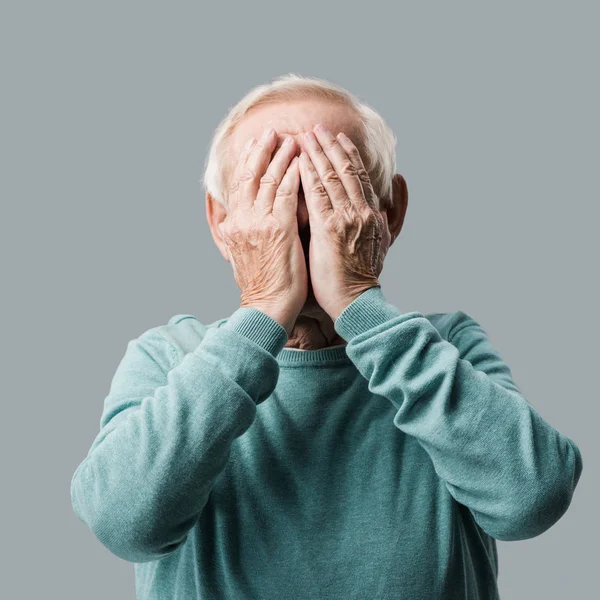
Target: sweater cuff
[259,327]
[365,312]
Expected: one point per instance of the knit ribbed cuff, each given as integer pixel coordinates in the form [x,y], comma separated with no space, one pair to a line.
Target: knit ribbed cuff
[365,312]
[258,327]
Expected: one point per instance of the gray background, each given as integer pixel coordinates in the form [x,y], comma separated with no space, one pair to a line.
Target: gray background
[107,112]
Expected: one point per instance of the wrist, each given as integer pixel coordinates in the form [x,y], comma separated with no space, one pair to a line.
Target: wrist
[281,316]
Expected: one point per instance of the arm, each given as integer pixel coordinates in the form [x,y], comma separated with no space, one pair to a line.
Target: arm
[166,432]
[495,453]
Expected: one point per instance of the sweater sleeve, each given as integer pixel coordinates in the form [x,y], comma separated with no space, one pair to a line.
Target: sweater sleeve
[166,432]
[496,455]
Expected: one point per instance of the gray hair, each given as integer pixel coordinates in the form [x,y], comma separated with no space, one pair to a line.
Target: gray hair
[379,154]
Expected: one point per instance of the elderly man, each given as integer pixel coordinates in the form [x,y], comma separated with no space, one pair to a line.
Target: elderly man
[319,442]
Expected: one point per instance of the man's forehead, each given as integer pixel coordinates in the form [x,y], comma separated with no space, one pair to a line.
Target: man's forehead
[294,118]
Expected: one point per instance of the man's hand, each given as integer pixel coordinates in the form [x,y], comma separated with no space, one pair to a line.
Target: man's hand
[349,235]
[261,230]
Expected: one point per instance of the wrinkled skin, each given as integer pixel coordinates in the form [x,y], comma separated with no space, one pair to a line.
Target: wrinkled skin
[349,236]
[313,326]
[261,230]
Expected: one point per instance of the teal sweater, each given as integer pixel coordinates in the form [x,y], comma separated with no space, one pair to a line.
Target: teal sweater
[230,467]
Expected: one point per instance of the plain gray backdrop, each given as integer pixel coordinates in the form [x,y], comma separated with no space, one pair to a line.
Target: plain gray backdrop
[107,112]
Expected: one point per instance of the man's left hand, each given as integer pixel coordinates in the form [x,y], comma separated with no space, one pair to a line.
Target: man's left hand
[349,237]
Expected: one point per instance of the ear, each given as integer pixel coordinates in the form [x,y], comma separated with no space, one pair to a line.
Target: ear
[215,215]
[397,211]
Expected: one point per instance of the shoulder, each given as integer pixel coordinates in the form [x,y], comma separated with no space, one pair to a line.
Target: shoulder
[169,342]
[449,324]
[474,345]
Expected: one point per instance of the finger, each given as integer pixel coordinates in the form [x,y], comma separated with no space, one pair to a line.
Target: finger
[315,194]
[369,195]
[271,180]
[331,181]
[341,163]
[234,187]
[255,167]
[285,204]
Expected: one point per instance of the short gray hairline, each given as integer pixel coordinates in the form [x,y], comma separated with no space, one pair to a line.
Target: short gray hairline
[379,140]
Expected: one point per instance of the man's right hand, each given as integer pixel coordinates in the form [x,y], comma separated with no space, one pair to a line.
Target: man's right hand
[261,230]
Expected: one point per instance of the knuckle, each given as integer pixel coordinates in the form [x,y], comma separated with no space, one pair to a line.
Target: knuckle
[348,168]
[331,176]
[330,143]
[234,230]
[268,180]
[353,151]
[363,175]
[247,175]
[272,226]
[318,189]
[284,191]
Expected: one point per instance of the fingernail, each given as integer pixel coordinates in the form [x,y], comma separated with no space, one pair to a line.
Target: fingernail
[287,141]
[267,134]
